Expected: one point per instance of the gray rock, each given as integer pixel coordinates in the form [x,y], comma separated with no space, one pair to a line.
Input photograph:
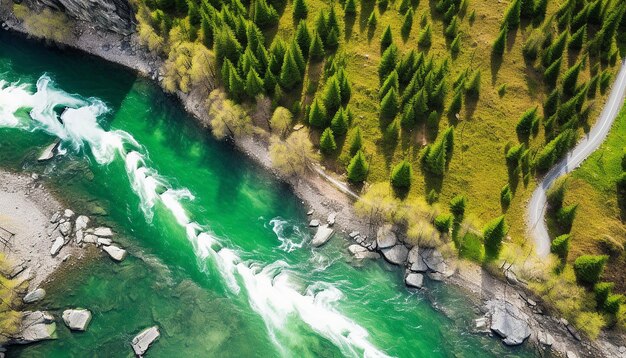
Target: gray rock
[396,255]
[103,232]
[104,241]
[511,277]
[144,339]
[545,338]
[331,219]
[55,218]
[435,276]
[310,212]
[571,354]
[509,322]
[414,255]
[115,252]
[323,234]
[65,228]
[34,296]
[385,237]
[91,239]
[353,234]
[79,236]
[362,253]
[481,324]
[36,326]
[81,223]
[414,280]
[573,332]
[77,319]
[314,223]
[433,259]
[48,152]
[68,213]
[56,246]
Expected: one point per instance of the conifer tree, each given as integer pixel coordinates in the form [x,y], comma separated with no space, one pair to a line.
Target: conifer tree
[570,78]
[457,207]
[512,15]
[388,62]
[401,175]
[339,124]
[389,104]
[435,158]
[350,8]
[525,124]
[327,141]
[269,81]
[226,45]
[390,81]
[425,37]
[453,28]
[303,38]
[225,72]
[317,114]
[356,143]
[278,49]
[321,24]
[295,51]
[457,103]
[473,88]
[290,73]
[551,73]
[344,86]
[408,116]
[358,168]
[540,9]
[206,31]
[372,20]
[589,268]
[265,15]
[500,43]
[254,84]
[300,9]
[386,39]
[405,5]
[333,22]
[236,86]
[560,246]
[527,9]
[493,234]
[392,132]
[407,24]
[332,95]
[578,38]
[455,46]
[332,41]
[316,51]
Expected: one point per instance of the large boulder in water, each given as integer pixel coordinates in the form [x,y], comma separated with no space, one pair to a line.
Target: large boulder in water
[414,280]
[509,322]
[144,339]
[36,326]
[34,296]
[396,255]
[115,252]
[323,234]
[77,319]
[385,237]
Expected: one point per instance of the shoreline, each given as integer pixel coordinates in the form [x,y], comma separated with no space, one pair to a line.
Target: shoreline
[316,193]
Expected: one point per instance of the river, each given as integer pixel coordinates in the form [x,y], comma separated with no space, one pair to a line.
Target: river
[220,255]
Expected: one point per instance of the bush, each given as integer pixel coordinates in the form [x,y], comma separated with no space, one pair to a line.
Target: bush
[401,175]
[601,291]
[327,141]
[612,304]
[556,193]
[443,222]
[358,168]
[565,217]
[560,246]
[493,234]
[457,207]
[589,268]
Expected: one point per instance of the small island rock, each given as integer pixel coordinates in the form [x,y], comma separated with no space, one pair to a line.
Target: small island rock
[414,280]
[34,296]
[77,319]
[144,339]
[115,252]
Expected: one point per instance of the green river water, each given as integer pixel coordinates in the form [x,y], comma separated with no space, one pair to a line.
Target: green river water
[219,250]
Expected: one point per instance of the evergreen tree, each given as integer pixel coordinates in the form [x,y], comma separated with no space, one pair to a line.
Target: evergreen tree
[316,51]
[388,62]
[386,39]
[405,5]
[265,15]
[506,196]
[226,45]
[254,84]
[560,246]
[389,104]
[321,25]
[236,86]
[541,7]
[551,104]
[493,234]
[500,43]
[392,132]
[295,51]
[269,81]
[356,143]
[551,74]
[435,158]
[589,268]
[350,8]
[425,37]
[332,41]
[344,86]
[594,15]
[456,104]
[455,46]
[333,22]
[303,38]
[278,49]
[390,82]
[194,15]
[225,72]
[332,95]
[300,9]
[372,20]
[525,123]
[565,217]
[406,67]
[578,39]
[473,88]
[317,114]
[327,141]
[339,124]
[408,116]
[290,73]
[206,31]
[570,77]
[448,139]
[457,207]
[407,24]
[512,15]
[452,29]
[401,175]
[527,9]
[358,168]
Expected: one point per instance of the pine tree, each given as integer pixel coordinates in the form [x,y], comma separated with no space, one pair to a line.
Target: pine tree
[372,20]
[225,72]
[493,234]
[578,39]
[425,37]
[316,51]
[541,7]
[457,103]
[589,268]
[512,15]
[388,62]
[278,49]
[321,25]
[358,168]
[226,45]
[457,207]
[386,39]
[455,46]
[390,82]
[453,28]
[269,81]
[473,88]
[435,158]
[570,77]
[551,104]
[389,104]
[300,9]
[206,31]
[350,8]
[339,124]
[401,175]
[332,41]
[408,116]
[407,24]
[404,6]
[327,141]
[551,73]
[344,86]
[500,43]
[333,22]
[356,143]
[392,132]
[265,15]
[527,9]
[560,246]
[303,38]
[290,73]
[235,85]
[525,124]
[317,114]
[332,95]
[254,84]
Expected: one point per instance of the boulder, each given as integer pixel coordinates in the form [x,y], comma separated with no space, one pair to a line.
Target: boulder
[104,241]
[385,237]
[68,213]
[81,223]
[434,261]
[79,236]
[545,338]
[91,239]
[48,152]
[396,255]
[36,326]
[55,218]
[508,322]
[56,246]
[570,354]
[65,228]
[77,319]
[323,234]
[310,212]
[353,234]
[115,252]
[314,223]
[144,339]
[481,324]
[414,280]
[34,296]
[331,219]
[362,253]
[103,232]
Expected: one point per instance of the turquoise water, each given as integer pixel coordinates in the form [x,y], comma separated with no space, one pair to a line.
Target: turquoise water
[219,251]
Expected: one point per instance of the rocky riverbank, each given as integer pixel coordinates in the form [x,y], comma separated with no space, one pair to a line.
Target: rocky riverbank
[509,309]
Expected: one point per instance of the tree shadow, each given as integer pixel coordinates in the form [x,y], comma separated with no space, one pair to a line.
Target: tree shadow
[401,193]
[349,25]
[496,63]
[621,202]
[471,103]
[367,6]
[431,182]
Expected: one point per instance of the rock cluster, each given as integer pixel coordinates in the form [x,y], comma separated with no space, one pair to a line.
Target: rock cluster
[324,231]
[111,15]
[509,322]
[36,326]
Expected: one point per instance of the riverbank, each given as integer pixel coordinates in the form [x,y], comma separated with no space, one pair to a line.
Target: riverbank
[319,193]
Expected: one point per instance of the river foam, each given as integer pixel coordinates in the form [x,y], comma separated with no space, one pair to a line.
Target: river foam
[270,289]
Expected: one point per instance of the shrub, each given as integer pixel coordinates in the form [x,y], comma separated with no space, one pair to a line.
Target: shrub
[443,222]
[612,304]
[589,268]
[358,168]
[457,207]
[601,291]
[493,234]
[401,175]
[327,141]
[560,246]
[565,216]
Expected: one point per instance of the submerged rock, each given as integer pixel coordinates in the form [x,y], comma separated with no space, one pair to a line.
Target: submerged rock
[509,322]
[396,255]
[36,326]
[144,339]
[414,280]
[386,237]
[115,252]
[323,234]
[77,319]
[48,152]
[34,296]
[56,246]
